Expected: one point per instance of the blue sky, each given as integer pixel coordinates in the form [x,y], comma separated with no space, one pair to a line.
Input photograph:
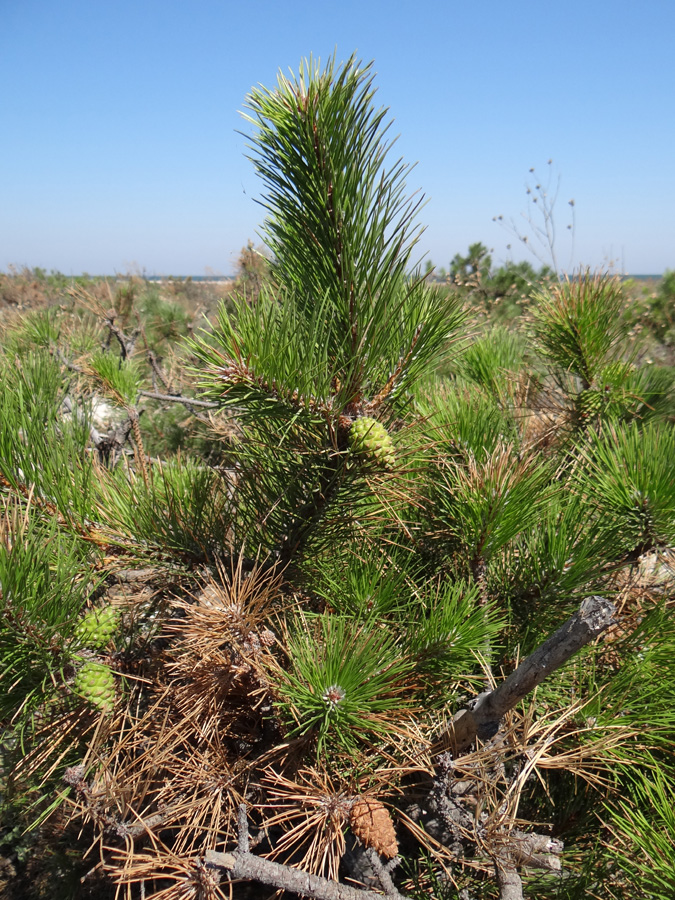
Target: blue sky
[119,121]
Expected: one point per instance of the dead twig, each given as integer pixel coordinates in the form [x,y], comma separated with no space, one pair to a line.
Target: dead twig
[483,716]
[178,398]
[240,864]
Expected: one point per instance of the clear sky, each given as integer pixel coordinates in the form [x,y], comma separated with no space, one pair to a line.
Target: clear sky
[119,147]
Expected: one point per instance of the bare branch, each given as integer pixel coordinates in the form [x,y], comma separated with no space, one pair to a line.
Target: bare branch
[126,342]
[483,718]
[240,864]
[510,885]
[178,398]
[384,872]
[156,370]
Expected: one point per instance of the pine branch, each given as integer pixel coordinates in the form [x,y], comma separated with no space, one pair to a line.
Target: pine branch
[484,715]
[509,881]
[240,864]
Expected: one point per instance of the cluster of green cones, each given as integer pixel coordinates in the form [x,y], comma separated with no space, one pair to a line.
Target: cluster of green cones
[94,681]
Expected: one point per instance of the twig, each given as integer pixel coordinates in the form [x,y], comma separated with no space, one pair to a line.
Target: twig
[240,864]
[384,872]
[156,370]
[60,355]
[483,717]
[127,343]
[134,416]
[177,398]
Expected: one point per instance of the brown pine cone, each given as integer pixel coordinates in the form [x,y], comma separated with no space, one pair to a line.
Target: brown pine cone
[371,823]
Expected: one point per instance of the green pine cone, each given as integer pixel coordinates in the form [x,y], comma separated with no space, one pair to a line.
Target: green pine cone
[371,440]
[590,405]
[96,684]
[97,627]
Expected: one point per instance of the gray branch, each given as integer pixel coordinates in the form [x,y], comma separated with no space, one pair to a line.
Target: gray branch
[536,851]
[126,342]
[483,718]
[510,884]
[178,398]
[240,864]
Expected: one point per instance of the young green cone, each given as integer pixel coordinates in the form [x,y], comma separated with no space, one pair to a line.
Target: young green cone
[97,627]
[372,441]
[590,405]
[96,684]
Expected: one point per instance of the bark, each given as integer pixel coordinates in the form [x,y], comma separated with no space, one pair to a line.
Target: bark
[240,864]
[510,885]
[483,718]
[536,851]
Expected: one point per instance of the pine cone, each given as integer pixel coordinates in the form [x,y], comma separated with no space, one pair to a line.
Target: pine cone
[371,440]
[97,627]
[590,404]
[371,823]
[95,683]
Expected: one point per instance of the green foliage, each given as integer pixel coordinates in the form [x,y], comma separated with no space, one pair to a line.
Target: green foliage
[479,507]
[451,626]
[547,570]
[119,378]
[487,361]
[643,830]
[319,148]
[477,262]
[185,507]
[628,478]
[577,324]
[343,337]
[40,450]
[39,330]
[464,422]
[652,391]
[44,583]
[346,682]
[165,320]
